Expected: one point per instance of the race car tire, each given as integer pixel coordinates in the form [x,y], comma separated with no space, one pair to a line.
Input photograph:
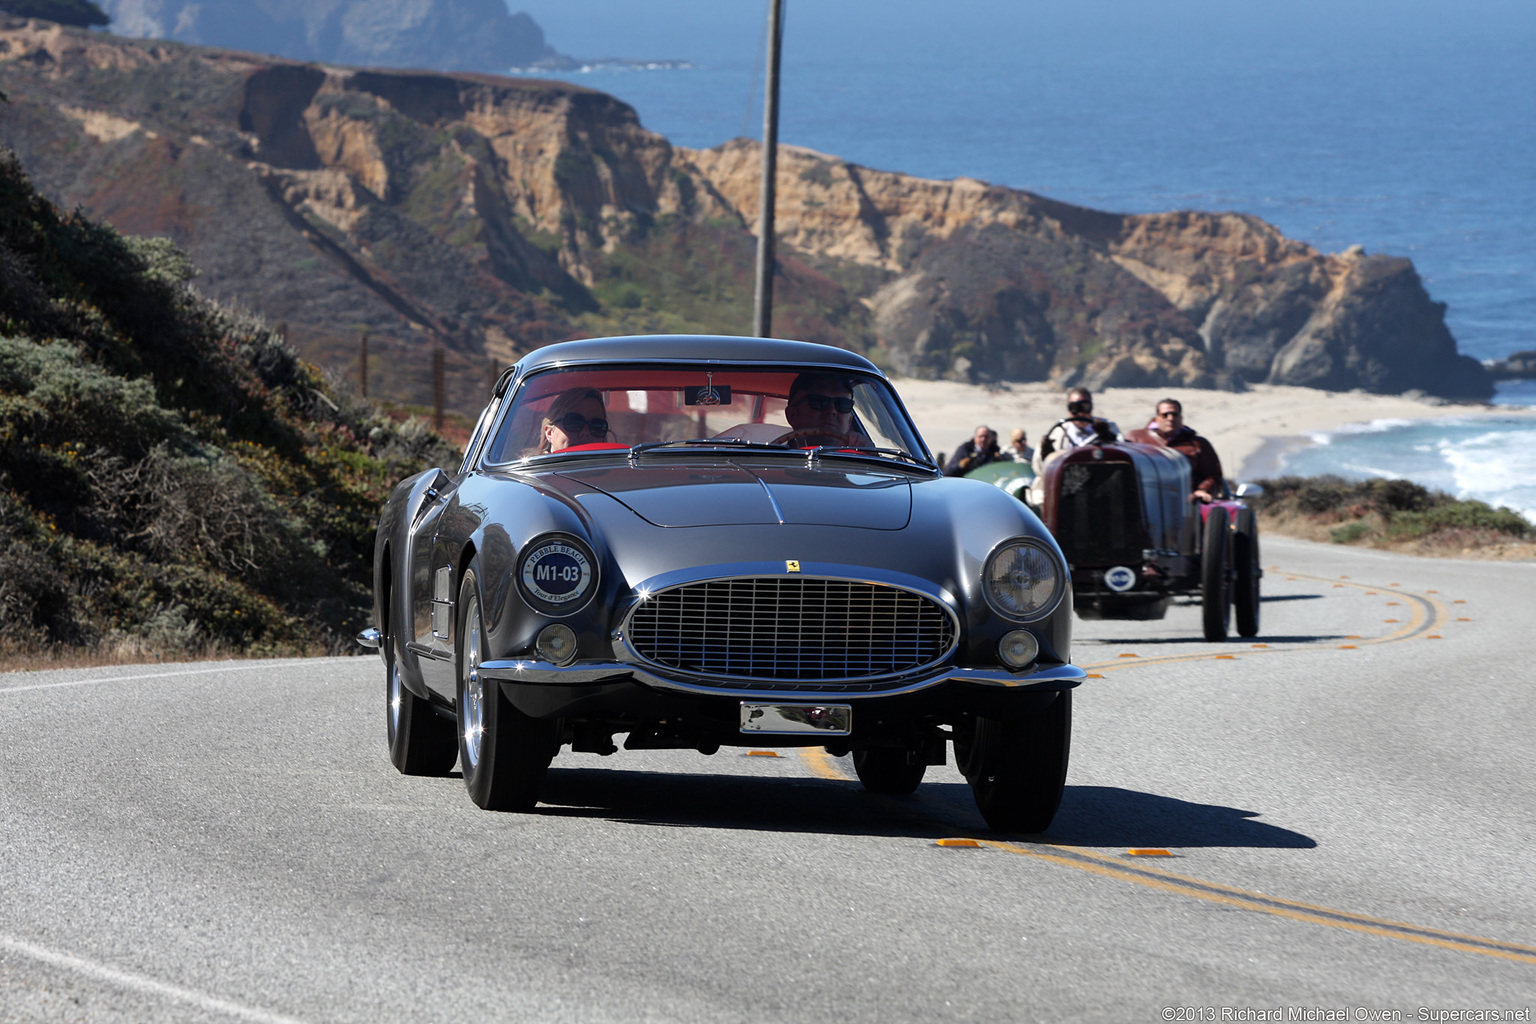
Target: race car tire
[421,741]
[1017,767]
[505,754]
[889,770]
[1245,552]
[1215,593]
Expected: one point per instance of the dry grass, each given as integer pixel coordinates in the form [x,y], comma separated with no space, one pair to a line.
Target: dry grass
[1483,545]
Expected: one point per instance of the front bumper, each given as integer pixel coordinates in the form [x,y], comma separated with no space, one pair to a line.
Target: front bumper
[529,671]
[626,695]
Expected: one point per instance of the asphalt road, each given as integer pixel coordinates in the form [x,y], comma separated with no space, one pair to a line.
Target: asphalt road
[1346,804]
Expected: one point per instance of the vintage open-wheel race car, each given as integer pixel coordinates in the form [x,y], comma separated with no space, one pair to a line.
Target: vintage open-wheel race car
[1122,514]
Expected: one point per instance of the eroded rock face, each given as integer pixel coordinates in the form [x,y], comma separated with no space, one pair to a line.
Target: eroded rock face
[457,35]
[489,215]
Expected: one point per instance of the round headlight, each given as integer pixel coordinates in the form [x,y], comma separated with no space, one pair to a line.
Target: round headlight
[1022,580]
[557,574]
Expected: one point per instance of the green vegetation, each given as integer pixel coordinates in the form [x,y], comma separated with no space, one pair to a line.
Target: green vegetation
[81,13]
[1388,513]
[174,481]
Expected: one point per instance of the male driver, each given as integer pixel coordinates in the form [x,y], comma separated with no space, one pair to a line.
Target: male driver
[820,411]
[975,453]
[1080,427]
[1205,464]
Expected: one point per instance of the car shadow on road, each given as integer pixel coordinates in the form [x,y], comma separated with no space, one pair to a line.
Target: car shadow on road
[1089,815]
[725,801]
[1110,816]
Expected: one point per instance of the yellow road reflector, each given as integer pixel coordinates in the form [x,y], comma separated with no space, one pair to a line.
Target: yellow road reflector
[959,842]
[1458,601]
[763,753]
[1094,675]
[1352,636]
[1226,657]
[1130,655]
[1431,591]
[1258,645]
[1148,851]
[1394,584]
[1370,592]
[1343,577]
[1434,636]
[1393,603]
[1348,647]
[1389,620]
[1290,579]
[1463,619]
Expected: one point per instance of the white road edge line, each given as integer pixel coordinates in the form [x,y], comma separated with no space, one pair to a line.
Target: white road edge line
[143,984]
[148,675]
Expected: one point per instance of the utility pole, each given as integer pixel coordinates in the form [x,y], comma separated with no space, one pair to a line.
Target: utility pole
[762,305]
[437,388]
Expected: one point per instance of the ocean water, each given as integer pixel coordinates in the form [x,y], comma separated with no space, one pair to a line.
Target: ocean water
[1488,458]
[1404,126]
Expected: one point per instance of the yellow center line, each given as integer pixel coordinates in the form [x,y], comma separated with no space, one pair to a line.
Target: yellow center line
[1427,613]
[1233,896]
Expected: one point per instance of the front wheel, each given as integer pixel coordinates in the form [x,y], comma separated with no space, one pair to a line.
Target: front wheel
[421,741]
[1245,553]
[1017,767]
[1215,594]
[889,769]
[505,754]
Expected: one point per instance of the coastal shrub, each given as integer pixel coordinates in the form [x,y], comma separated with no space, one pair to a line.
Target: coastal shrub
[1388,512]
[174,480]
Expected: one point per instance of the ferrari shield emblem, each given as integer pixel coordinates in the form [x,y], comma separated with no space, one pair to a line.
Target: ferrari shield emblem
[790,565]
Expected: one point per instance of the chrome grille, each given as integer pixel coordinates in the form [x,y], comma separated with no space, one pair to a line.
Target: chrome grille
[791,628]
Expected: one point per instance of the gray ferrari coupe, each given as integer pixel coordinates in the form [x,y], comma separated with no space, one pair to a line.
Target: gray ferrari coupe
[697,542]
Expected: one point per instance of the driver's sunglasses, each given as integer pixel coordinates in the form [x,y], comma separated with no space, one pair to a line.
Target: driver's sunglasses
[574,423]
[820,402]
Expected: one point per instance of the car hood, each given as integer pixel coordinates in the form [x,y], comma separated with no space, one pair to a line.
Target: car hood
[735,495]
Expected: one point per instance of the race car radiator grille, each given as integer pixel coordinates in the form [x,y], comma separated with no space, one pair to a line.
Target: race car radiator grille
[771,628]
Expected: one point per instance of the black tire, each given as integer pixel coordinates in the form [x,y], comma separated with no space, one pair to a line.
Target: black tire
[889,769]
[1017,767]
[1215,594]
[504,753]
[1245,585]
[421,741]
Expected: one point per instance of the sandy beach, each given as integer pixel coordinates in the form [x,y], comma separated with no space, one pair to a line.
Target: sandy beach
[1250,430]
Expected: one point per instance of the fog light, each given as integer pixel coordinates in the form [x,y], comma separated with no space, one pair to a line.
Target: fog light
[1018,648]
[556,643]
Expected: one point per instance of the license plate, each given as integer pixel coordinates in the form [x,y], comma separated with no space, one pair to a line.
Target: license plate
[820,719]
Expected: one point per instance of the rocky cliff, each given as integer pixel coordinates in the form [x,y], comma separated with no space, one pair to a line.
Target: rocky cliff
[458,35]
[488,215]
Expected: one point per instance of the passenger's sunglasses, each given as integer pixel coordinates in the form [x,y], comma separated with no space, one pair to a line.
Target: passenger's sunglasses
[574,423]
[820,402]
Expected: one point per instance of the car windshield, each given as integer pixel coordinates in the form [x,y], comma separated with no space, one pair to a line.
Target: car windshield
[587,410]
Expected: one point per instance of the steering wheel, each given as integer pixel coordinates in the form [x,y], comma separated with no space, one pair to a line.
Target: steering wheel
[817,436]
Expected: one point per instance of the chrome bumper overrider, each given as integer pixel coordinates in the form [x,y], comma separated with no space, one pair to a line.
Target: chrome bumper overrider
[581,673]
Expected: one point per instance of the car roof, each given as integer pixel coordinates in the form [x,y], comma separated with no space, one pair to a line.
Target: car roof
[694,348]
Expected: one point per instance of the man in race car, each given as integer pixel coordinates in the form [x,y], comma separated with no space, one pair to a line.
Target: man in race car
[1205,464]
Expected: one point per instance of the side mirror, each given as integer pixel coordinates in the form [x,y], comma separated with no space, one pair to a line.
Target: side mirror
[1249,491]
